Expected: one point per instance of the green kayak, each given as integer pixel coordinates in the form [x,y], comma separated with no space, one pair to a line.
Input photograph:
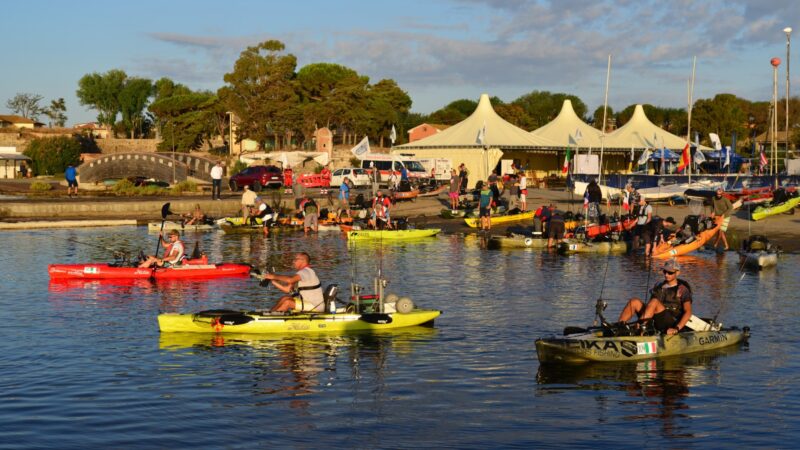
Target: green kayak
[518,241]
[570,246]
[765,211]
[610,344]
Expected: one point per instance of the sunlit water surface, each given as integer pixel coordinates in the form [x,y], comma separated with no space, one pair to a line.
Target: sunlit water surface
[84,365]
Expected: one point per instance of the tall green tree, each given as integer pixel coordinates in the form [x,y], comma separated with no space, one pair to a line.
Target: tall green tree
[189,120]
[26,105]
[133,99]
[543,106]
[101,92]
[261,91]
[386,103]
[725,114]
[52,155]
[57,112]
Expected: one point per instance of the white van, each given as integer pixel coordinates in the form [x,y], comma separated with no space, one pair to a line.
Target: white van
[388,163]
[442,166]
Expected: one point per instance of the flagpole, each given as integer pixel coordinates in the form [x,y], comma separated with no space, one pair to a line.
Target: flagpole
[689,119]
[603,126]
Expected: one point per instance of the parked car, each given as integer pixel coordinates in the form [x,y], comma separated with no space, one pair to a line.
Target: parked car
[358,176]
[257,177]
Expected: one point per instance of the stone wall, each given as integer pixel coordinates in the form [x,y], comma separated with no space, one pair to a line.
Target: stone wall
[113,145]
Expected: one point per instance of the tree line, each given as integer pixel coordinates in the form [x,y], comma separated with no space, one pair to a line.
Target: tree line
[279,105]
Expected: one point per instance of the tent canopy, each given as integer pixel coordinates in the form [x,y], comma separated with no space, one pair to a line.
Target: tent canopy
[567,129]
[640,133]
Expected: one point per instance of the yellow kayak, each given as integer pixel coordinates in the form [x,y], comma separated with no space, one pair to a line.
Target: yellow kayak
[228,321]
[475,222]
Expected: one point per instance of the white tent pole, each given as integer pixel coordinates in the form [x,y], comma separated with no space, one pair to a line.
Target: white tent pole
[605,109]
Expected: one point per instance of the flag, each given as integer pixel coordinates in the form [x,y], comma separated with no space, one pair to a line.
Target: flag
[631,153]
[685,158]
[715,141]
[645,157]
[586,199]
[393,135]
[565,168]
[482,135]
[361,149]
[727,157]
[763,160]
[699,157]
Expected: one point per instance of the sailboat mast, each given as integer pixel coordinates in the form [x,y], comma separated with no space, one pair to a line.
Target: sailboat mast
[605,109]
[689,113]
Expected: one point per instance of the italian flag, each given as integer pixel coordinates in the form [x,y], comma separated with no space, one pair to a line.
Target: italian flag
[565,168]
[646,348]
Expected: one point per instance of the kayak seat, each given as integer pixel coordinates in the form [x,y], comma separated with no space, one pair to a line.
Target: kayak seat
[329,296]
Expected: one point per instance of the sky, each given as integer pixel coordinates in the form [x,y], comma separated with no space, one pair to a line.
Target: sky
[438,51]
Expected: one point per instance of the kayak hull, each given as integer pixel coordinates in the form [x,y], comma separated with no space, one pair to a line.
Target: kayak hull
[265,323]
[606,247]
[593,347]
[392,234]
[155,227]
[107,271]
[495,220]
[758,260]
[518,241]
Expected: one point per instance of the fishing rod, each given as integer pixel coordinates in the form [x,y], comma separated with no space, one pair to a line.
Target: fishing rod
[117,253]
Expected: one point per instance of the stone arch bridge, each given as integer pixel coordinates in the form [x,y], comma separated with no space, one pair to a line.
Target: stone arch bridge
[160,166]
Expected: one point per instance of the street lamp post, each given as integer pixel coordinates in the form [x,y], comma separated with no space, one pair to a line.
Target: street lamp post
[174,180]
[775,62]
[788,31]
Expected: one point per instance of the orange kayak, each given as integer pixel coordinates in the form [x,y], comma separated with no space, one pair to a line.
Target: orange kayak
[665,250]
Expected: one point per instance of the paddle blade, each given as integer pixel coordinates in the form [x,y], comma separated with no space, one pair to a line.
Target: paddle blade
[165,210]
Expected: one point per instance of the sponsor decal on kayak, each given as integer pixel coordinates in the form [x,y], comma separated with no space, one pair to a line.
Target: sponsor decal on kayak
[646,348]
[713,339]
[608,348]
[90,269]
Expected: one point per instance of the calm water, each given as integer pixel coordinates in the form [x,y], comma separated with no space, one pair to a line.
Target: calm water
[84,366]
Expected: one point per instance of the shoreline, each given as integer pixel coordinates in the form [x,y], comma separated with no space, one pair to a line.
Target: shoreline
[782,229]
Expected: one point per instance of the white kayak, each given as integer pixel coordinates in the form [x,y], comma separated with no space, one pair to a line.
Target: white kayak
[155,227]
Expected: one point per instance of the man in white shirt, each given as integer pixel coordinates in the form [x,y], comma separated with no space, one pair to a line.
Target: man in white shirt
[248,201]
[304,289]
[216,181]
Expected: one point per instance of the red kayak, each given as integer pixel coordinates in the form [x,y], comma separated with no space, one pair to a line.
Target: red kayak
[593,231]
[193,269]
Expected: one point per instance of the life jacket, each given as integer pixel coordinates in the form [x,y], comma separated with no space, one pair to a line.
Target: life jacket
[672,298]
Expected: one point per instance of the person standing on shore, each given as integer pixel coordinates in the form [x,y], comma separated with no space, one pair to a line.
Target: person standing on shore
[485,207]
[523,191]
[721,209]
[71,176]
[216,181]
[463,173]
[455,187]
[642,230]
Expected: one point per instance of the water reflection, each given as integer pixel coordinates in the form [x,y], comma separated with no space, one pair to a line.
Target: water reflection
[657,389]
[294,368]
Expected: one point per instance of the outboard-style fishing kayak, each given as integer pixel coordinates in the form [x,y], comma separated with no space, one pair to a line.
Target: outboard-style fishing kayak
[227,321]
[599,344]
[392,234]
[758,253]
[527,215]
[596,230]
[90,271]
[764,211]
[665,250]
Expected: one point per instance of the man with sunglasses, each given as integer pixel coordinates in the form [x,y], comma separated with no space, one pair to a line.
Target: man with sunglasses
[670,305]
